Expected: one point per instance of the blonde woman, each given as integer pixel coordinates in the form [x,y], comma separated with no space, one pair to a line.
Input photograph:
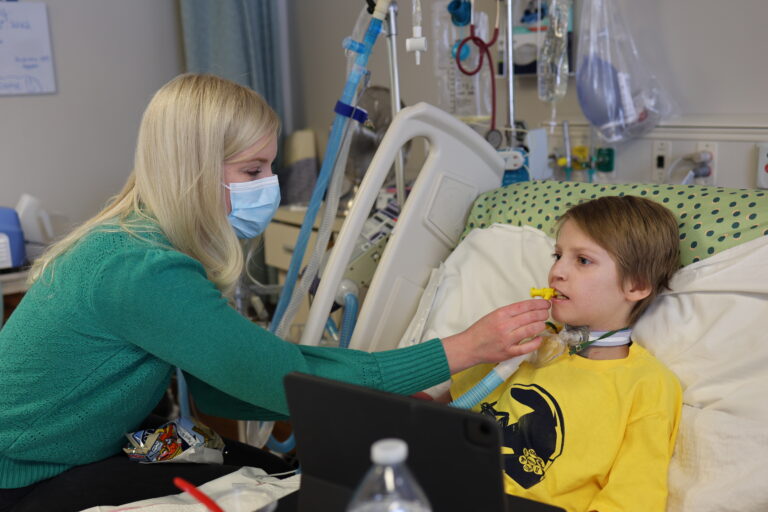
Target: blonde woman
[142,288]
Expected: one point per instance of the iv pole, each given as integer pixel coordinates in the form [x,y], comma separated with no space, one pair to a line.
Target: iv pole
[394,79]
[510,76]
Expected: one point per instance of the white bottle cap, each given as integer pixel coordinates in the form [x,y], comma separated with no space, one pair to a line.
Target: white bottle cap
[389,451]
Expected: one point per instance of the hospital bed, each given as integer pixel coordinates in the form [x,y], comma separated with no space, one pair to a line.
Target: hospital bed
[709,328]
[463,245]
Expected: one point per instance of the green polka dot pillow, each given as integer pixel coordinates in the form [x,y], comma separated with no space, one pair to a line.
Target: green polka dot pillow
[711,218]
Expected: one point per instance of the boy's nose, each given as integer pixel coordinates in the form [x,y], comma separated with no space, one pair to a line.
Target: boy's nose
[557,272]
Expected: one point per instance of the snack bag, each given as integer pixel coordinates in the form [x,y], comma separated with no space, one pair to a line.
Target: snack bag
[179,440]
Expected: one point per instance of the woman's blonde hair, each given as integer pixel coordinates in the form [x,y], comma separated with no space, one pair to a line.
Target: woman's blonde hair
[641,235]
[190,127]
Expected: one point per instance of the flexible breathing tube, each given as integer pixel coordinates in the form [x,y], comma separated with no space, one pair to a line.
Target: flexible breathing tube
[338,132]
[347,296]
[501,371]
[491,381]
[285,309]
[332,330]
[281,447]
[323,236]
[333,197]
[348,319]
[553,345]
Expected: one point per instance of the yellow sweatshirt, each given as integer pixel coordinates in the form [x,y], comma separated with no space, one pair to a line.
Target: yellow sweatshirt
[586,434]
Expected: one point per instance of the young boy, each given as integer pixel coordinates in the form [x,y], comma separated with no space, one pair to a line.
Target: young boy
[594,430]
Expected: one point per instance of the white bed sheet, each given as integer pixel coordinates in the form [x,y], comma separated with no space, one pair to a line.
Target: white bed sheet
[246,490]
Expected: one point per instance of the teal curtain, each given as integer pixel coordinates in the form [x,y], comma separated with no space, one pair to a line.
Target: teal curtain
[237,40]
[240,40]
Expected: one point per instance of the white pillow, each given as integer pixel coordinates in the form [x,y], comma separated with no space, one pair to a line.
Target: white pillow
[490,268]
[710,330]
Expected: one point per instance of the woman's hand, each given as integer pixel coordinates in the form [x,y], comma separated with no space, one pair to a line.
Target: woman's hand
[496,337]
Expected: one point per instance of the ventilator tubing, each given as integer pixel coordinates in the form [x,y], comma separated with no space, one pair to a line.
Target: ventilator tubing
[349,319]
[323,236]
[335,142]
[281,447]
[332,166]
[491,381]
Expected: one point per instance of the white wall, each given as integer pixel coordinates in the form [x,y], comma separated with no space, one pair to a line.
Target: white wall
[74,149]
[709,54]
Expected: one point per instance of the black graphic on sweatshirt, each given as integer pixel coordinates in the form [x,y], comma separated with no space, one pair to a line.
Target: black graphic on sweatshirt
[536,439]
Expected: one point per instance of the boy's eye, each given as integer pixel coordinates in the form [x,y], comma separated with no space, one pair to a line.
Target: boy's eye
[555,256]
[584,261]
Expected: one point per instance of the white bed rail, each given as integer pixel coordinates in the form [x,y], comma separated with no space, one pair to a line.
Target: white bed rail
[460,166]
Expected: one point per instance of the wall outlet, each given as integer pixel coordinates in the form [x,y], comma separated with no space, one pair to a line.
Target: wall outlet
[660,160]
[711,147]
[762,165]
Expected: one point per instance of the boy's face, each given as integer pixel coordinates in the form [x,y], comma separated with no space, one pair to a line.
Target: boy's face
[587,280]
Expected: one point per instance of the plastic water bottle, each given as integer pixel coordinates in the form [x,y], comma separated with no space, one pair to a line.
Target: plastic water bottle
[389,485]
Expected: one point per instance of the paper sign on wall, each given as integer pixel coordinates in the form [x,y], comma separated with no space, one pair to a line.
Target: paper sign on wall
[26,65]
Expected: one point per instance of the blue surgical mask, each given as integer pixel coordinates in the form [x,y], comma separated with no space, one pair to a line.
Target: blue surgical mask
[254,203]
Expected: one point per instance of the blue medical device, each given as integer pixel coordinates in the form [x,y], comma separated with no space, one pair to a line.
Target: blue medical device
[12,252]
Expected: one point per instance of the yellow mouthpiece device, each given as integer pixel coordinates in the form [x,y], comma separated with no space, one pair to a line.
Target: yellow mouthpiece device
[544,293]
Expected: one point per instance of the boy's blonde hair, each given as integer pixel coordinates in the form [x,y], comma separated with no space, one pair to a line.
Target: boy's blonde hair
[641,235]
[190,127]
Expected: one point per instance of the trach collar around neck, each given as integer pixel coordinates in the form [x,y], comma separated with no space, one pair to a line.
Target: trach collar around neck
[603,339]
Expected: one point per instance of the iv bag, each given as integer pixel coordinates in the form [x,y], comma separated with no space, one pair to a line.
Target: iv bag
[460,95]
[616,92]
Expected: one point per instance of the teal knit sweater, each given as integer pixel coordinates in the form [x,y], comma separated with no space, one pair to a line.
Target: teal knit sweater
[90,350]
